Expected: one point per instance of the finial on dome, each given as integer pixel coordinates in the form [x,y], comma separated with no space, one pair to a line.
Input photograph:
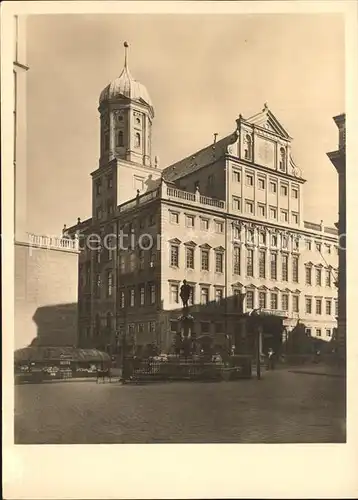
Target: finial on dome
[125,54]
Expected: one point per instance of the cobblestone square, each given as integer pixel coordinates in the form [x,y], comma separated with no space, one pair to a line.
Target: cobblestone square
[283,407]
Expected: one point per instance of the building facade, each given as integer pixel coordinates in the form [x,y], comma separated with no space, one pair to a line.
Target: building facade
[338,158]
[46,286]
[228,218]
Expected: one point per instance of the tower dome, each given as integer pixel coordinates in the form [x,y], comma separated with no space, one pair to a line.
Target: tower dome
[126,86]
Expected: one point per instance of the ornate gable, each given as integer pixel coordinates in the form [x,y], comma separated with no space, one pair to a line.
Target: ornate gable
[267,120]
[175,241]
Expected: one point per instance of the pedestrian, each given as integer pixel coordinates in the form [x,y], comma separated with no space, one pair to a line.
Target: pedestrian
[270,355]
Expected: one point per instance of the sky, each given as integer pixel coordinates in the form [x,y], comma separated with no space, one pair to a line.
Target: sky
[201,72]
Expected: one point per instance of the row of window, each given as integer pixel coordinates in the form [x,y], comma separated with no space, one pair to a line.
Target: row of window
[107,323]
[319,306]
[138,296]
[205,264]
[119,139]
[190,261]
[318,332]
[262,184]
[266,238]
[318,276]
[315,245]
[261,210]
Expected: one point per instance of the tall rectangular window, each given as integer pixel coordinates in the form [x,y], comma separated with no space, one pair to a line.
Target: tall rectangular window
[295,303]
[328,277]
[261,210]
[236,176]
[122,264]
[318,277]
[273,262]
[141,295]
[174,255]
[174,217]
[249,299]
[262,264]
[131,297]
[308,275]
[262,300]
[236,259]
[204,224]
[109,284]
[152,293]
[336,307]
[284,301]
[189,258]
[249,262]
[219,227]
[219,261]
[121,299]
[190,220]
[204,295]
[174,294]
[328,307]
[295,269]
[249,207]
[318,306]
[237,232]
[236,203]
[219,295]
[308,305]
[274,301]
[205,260]
[294,218]
[249,180]
[284,267]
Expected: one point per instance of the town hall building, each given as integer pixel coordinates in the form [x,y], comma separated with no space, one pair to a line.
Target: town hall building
[229,219]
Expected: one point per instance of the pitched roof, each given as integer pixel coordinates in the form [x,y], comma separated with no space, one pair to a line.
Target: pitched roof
[197,160]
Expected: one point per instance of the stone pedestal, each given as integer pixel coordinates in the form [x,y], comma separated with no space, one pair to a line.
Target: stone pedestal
[186,344]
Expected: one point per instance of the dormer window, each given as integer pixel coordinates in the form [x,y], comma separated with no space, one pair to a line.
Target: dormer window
[283,160]
[248,148]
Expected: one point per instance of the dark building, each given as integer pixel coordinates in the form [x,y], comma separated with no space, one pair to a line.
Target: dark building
[338,158]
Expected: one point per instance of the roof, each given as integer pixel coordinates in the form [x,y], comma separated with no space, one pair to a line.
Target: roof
[126,86]
[198,160]
[57,353]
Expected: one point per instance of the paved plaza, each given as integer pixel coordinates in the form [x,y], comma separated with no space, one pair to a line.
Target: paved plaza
[282,407]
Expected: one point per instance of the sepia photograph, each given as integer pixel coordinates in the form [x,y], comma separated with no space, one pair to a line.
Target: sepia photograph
[179,228]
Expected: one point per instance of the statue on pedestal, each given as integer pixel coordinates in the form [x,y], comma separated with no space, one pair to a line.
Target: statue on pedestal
[185,291]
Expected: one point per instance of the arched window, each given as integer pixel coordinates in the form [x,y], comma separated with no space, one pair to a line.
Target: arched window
[283,159]
[248,148]
[119,143]
[137,140]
